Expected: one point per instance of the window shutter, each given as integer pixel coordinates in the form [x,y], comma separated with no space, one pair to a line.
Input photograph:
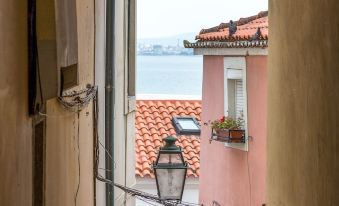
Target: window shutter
[239,98]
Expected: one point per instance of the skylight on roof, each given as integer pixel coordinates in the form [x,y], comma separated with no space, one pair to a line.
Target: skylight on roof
[186,125]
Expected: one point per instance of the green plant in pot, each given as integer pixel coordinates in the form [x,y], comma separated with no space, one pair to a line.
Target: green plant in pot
[228,127]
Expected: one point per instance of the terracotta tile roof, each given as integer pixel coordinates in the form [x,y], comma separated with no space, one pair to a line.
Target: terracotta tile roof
[250,32]
[154,122]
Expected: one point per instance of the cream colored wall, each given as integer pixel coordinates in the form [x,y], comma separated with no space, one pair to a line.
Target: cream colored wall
[124,109]
[64,128]
[124,105]
[100,64]
[15,125]
[303,97]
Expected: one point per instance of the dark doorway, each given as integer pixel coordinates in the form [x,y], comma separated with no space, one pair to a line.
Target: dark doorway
[38,164]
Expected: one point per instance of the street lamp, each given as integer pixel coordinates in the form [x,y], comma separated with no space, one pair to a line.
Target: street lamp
[170,171]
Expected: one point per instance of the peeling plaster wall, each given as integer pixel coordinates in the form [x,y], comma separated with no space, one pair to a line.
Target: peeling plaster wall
[15,125]
[303,111]
[65,184]
[61,168]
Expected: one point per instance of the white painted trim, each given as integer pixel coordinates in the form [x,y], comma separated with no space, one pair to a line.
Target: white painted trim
[236,63]
[231,51]
[225,92]
[131,104]
[99,71]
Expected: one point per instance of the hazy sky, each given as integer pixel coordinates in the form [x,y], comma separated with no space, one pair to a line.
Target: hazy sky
[160,18]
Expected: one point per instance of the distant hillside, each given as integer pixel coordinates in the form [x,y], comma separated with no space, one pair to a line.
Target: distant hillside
[171,40]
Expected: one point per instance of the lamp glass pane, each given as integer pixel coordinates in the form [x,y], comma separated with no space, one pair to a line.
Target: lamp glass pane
[170,182]
[170,158]
[188,124]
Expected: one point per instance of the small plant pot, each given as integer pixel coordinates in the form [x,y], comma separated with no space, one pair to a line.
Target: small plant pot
[229,135]
[237,135]
[222,133]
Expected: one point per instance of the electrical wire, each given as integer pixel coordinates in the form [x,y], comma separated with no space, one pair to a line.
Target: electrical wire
[75,102]
[78,100]
[104,169]
[56,116]
[148,202]
[79,164]
[107,152]
[126,199]
[129,191]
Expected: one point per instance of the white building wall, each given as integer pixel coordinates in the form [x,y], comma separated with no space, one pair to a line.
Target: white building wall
[124,106]
[100,32]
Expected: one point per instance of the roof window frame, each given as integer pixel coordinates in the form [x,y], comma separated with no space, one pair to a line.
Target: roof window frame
[182,131]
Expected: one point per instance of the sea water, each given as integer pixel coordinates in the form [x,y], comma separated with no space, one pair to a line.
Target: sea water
[169,75]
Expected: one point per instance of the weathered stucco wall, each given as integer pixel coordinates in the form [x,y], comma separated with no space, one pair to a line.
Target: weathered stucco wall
[69,137]
[257,126]
[303,111]
[65,184]
[226,172]
[15,125]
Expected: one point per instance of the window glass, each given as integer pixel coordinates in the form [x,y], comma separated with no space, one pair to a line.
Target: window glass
[187,124]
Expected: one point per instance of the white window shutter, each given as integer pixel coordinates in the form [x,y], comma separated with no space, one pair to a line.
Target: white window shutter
[239,98]
[235,98]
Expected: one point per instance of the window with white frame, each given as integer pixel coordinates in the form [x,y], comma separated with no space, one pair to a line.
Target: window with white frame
[235,93]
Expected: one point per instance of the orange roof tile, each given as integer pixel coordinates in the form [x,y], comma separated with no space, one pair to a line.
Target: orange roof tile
[153,123]
[251,32]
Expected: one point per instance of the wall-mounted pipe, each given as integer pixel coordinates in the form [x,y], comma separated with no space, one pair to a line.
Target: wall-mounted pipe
[109,99]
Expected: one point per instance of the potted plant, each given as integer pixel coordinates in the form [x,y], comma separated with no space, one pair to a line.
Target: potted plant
[228,129]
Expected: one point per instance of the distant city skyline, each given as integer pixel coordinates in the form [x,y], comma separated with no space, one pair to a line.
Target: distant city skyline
[164,18]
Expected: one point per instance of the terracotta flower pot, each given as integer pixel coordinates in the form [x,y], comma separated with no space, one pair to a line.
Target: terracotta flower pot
[230,135]
[237,135]
[222,133]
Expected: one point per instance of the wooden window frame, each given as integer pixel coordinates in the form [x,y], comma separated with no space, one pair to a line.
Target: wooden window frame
[238,63]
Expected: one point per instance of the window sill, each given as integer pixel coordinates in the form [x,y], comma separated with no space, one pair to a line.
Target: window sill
[239,146]
[236,143]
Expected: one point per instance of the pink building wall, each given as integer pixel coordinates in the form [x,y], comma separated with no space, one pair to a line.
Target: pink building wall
[225,172]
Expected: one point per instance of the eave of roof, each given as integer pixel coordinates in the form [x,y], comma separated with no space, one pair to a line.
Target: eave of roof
[250,32]
[233,44]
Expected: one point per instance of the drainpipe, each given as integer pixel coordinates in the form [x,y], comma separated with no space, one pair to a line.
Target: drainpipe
[109,99]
